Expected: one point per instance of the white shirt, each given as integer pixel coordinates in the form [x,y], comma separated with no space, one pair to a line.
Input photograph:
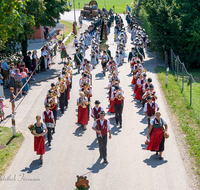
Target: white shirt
[112,95]
[92,113]
[95,124]
[83,99]
[45,101]
[164,122]
[116,78]
[43,117]
[82,80]
[150,93]
[145,106]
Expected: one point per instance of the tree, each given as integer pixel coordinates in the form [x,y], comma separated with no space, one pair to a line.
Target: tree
[12,20]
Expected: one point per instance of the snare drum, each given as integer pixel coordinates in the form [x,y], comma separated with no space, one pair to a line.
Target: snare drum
[50,125]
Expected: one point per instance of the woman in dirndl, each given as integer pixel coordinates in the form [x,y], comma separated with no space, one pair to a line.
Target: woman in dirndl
[157,131]
[39,141]
[82,103]
[63,52]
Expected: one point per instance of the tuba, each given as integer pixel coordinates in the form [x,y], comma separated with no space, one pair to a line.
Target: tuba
[52,103]
[62,87]
[86,92]
[82,102]
[119,95]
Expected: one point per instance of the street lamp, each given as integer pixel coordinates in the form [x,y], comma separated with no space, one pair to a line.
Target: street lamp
[74,16]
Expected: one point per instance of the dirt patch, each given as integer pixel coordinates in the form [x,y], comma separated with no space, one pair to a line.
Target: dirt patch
[2,147]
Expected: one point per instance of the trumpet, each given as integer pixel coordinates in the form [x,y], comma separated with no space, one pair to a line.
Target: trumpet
[119,95]
[145,70]
[83,104]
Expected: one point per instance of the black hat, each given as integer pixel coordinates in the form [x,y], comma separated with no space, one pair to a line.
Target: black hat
[84,75]
[149,97]
[138,61]
[144,74]
[136,54]
[50,91]
[47,105]
[132,48]
[52,84]
[96,102]
[116,87]
[102,113]
[29,52]
[65,63]
[151,86]
[149,80]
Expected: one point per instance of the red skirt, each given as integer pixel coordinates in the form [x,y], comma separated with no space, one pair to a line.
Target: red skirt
[68,93]
[111,109]
[155,139]
[138,95]
[39,145]
[136,87]
[82,115]
[133,80]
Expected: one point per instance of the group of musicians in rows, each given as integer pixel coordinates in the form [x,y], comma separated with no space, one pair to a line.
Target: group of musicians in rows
[144,89]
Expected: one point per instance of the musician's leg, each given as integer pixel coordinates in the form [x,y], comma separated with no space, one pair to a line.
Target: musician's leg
[116,113]
[100,141]
[49,135]
[104,148]
[120,114]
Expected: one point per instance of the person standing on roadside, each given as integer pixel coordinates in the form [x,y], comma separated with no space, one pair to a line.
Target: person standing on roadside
[102,127]
[5,68]
[18,81]
[80,20]
[28,61]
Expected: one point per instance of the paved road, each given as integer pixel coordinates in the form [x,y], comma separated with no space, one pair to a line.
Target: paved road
[75,152]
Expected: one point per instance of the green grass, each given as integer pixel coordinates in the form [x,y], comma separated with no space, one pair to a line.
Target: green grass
[67,28]
[7,154]
[183,112]
[196,75]
[120,5]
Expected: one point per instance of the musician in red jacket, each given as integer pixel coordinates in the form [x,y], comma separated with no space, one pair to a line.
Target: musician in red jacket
[96,110]
[102,127]
[150,109]
[118,96]
[48,119]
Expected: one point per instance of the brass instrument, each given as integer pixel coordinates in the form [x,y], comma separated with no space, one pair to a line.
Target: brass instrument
[62,88]
[52,102]
[88,72]
[145,70]
[119,95]
[82,102]
[68,71]
[86,92]
[55,93]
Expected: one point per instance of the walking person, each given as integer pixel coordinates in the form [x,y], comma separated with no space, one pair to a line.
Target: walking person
[48,119]
[35,61]
[118,97]
[39,141]
[157,131]
[80,20]
[63,52]
[102,127]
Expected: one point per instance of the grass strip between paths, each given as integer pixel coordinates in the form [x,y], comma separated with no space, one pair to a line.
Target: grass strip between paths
[13,144]
[183,113]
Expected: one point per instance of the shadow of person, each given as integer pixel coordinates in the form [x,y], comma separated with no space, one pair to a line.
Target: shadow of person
[114,130]
[140,112]
[99,76]
[153,161]
[97,166]
[93,145]
[144,120]
[35,164]
[79,131]
[47,148]
[143,146]
[144,132]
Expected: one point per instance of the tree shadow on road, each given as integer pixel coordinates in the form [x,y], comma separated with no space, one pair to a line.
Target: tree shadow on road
[154,161]
[93,145]
[97,166]
[35,164]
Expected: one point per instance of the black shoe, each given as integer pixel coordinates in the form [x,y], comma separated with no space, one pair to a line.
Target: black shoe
[41,161]
[161,158]
[116,122]
[62,112]
[49,144]
[156,153]
[105,161]
[120,126]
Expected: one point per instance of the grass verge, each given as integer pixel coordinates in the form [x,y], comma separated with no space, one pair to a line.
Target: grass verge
[183,112]
[67,29]
[13,144]
[120,5]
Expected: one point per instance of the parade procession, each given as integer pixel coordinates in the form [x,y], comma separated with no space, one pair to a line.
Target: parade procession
[100,115]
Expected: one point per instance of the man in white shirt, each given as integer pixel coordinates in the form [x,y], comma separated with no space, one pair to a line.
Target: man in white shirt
[102,126]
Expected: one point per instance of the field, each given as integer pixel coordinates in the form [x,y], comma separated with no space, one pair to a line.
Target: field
[119,5]
[184,113]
